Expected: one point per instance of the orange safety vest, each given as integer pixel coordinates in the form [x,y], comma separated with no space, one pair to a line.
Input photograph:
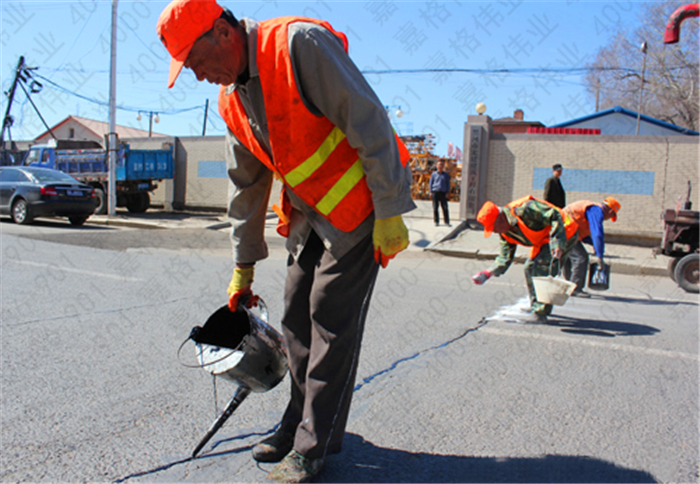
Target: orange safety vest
[538,238]
[311,155]
[577,211]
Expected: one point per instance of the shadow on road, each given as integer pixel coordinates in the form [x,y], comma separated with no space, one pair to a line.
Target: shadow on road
[644,300]
[596,327]
[362,461]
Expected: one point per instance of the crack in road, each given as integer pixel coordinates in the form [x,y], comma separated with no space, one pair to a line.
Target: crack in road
[365,381]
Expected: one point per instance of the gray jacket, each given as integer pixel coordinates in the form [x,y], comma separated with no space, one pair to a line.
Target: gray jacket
[330,85]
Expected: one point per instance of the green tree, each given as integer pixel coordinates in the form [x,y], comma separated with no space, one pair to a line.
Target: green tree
[671,76]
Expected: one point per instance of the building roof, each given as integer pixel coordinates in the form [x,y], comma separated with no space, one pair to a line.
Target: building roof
[627,112]
[101,129]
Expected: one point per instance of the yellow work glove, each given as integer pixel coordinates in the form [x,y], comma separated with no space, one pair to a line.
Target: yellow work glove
[239,288]
[390,236]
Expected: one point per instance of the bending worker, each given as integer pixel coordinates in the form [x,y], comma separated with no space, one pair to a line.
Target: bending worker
[298,108]
[590,217]
[532,223]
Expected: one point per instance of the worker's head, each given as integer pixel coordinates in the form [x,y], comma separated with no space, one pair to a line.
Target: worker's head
[205,37]
[610,208]
[556,170]
[440,165]
[493,219]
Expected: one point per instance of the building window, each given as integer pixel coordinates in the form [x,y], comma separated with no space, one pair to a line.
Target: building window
[71,133]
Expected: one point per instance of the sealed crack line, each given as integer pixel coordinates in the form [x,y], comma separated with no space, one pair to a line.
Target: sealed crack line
[206,455]
[395,364]
[100,311]
[364,382]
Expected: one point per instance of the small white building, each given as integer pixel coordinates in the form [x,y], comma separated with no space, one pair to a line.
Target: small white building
[82,129]
[618,120]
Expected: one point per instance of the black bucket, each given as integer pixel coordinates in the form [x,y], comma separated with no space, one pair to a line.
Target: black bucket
[599,277]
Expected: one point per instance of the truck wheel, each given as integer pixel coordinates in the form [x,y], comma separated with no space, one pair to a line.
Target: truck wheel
[687,273]
[78,221]
[672,263]
[138,202]
[20,212]
[101,197]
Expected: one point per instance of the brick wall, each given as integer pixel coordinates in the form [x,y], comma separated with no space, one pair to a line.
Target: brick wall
[645,173]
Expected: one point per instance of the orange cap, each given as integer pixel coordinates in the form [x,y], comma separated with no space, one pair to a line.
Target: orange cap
[614,205]
[487,217]
[179,26]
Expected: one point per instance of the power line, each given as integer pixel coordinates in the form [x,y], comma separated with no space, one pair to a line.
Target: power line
[105,103]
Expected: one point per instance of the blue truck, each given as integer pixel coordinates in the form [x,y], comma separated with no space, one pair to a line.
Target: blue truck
[137,172]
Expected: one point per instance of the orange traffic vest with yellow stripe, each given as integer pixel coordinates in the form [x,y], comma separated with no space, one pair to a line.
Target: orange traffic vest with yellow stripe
[577,211]
[310,154]
[538,238]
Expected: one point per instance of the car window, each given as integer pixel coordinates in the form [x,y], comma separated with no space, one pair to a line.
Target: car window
[32,157]
[8,175]
[21,177]
[52,176]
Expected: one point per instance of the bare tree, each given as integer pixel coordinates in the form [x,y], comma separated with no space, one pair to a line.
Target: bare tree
[671,75]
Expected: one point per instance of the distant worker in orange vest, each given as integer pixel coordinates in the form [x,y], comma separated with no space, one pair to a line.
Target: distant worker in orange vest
[590,217]
[532,223]
[297,108]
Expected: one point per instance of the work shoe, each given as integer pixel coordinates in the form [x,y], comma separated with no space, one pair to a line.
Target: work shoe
[582,294]
[296,468]
[273,448]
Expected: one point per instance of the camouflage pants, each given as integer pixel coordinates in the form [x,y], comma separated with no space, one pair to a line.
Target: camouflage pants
[540,267]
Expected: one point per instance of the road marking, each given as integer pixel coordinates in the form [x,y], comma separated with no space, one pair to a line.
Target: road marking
[587,342]
[70,269]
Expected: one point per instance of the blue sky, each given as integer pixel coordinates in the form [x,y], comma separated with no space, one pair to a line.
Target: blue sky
[69,43]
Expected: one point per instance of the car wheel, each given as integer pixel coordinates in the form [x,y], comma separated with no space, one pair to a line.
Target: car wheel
[20,212]
[672,263]
[77,220]
[101,197]
[688,273]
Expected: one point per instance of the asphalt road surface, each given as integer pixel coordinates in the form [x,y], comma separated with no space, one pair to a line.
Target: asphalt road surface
[451,387]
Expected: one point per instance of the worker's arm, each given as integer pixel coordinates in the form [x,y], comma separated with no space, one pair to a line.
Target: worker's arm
[330,84]
[595,217]
[504,259]
[249,193]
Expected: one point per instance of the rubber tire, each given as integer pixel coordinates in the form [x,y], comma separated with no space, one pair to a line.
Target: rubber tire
[24,217]
[101,197]
[687,273]
[138,202]
[77,221]
[672,263]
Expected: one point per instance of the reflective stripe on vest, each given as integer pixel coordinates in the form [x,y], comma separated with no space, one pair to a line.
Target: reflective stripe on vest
[314,162]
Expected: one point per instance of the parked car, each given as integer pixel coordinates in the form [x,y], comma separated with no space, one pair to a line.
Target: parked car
[28,192]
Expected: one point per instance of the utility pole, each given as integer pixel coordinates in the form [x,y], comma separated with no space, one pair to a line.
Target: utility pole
[643,48]
[113,141]
[206,112]
[7,120]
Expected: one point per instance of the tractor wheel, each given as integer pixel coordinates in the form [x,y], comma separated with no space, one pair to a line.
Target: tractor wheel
[672,263]
[687,273]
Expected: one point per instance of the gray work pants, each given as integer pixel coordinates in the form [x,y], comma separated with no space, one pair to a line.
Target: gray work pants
[326,303]
[578,266]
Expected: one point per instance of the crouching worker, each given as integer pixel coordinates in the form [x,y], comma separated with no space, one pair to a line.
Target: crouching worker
[589,216]
[532,223]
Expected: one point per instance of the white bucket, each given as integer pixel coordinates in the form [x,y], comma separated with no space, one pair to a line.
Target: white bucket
[552,290]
